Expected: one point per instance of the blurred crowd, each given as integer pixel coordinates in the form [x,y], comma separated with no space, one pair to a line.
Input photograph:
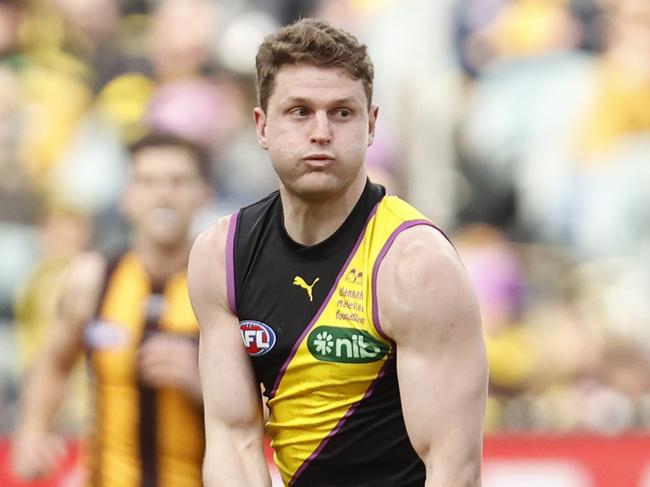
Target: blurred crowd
[520,126]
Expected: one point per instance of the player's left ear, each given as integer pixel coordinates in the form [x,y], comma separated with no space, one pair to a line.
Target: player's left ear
[259,118]
[372,121]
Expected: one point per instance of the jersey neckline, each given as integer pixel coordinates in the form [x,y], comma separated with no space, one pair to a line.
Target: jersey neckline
[352,225]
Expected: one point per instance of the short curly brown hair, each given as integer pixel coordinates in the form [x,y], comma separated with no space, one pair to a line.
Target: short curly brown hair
[312,42]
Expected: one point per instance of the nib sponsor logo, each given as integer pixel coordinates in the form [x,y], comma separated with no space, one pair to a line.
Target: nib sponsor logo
[345,345]
[258,338]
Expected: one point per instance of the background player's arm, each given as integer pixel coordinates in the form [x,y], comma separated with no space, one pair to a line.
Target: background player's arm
[168,360]
[428,307]
[36,450]
[233,408]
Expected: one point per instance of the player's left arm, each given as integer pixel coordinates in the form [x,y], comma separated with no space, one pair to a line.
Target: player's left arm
[428,307]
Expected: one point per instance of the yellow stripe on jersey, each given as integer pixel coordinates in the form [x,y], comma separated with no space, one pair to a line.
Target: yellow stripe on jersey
[340,355]
[180,426]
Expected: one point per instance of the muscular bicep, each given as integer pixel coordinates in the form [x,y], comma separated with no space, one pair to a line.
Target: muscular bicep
[443,395]
[230,393]
[428,307]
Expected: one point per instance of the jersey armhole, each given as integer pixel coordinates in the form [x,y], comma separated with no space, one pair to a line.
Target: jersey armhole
[375,270]
[230,263]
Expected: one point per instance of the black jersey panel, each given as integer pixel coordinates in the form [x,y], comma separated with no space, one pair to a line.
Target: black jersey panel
[269,265]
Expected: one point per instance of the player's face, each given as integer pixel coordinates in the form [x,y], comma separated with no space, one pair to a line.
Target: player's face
[165,191]
[317,128]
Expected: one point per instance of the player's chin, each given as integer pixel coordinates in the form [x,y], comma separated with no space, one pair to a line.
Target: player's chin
[164,236]
[317,186]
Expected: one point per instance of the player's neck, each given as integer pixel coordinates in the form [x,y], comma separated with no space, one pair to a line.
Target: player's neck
[311,222]
[162,261]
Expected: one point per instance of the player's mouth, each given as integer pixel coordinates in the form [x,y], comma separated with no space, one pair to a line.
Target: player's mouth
[163,215]
[319,160]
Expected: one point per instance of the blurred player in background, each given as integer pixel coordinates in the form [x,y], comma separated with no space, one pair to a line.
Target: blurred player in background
[132,316]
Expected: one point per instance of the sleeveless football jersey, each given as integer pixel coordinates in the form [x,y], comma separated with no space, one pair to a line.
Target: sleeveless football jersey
[309,320]
[142,436]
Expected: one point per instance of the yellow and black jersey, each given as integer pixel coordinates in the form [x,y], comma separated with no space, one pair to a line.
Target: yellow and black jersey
[309,320]
[142,437]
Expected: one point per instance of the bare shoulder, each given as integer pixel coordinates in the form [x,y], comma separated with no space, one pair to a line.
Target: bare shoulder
[86,270]
[80,288]
[84,275]
[211,242]
[422,280]
[206,272]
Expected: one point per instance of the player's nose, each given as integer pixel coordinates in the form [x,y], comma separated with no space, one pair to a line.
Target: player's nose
[321,132]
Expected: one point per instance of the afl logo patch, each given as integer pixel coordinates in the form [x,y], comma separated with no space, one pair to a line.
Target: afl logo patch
[104,335]
[259,338]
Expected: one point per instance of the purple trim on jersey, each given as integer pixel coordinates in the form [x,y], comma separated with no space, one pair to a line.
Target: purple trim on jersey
[380,258]
[230,263]
[323,305]
[340,424]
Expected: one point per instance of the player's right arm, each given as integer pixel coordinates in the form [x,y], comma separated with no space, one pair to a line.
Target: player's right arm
[233,410]
[36,450]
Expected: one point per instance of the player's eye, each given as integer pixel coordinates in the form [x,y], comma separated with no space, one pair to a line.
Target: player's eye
[299,112]
[343,113]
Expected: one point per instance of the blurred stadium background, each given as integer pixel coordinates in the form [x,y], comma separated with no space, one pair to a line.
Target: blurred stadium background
[520,126]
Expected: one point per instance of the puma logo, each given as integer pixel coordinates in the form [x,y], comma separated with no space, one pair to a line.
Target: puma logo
[300,282]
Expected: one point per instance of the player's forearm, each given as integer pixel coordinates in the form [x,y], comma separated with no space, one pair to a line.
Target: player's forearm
[235,461]
[235,471]
[465,477]
[450,471]
[223,468]
[42,396]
